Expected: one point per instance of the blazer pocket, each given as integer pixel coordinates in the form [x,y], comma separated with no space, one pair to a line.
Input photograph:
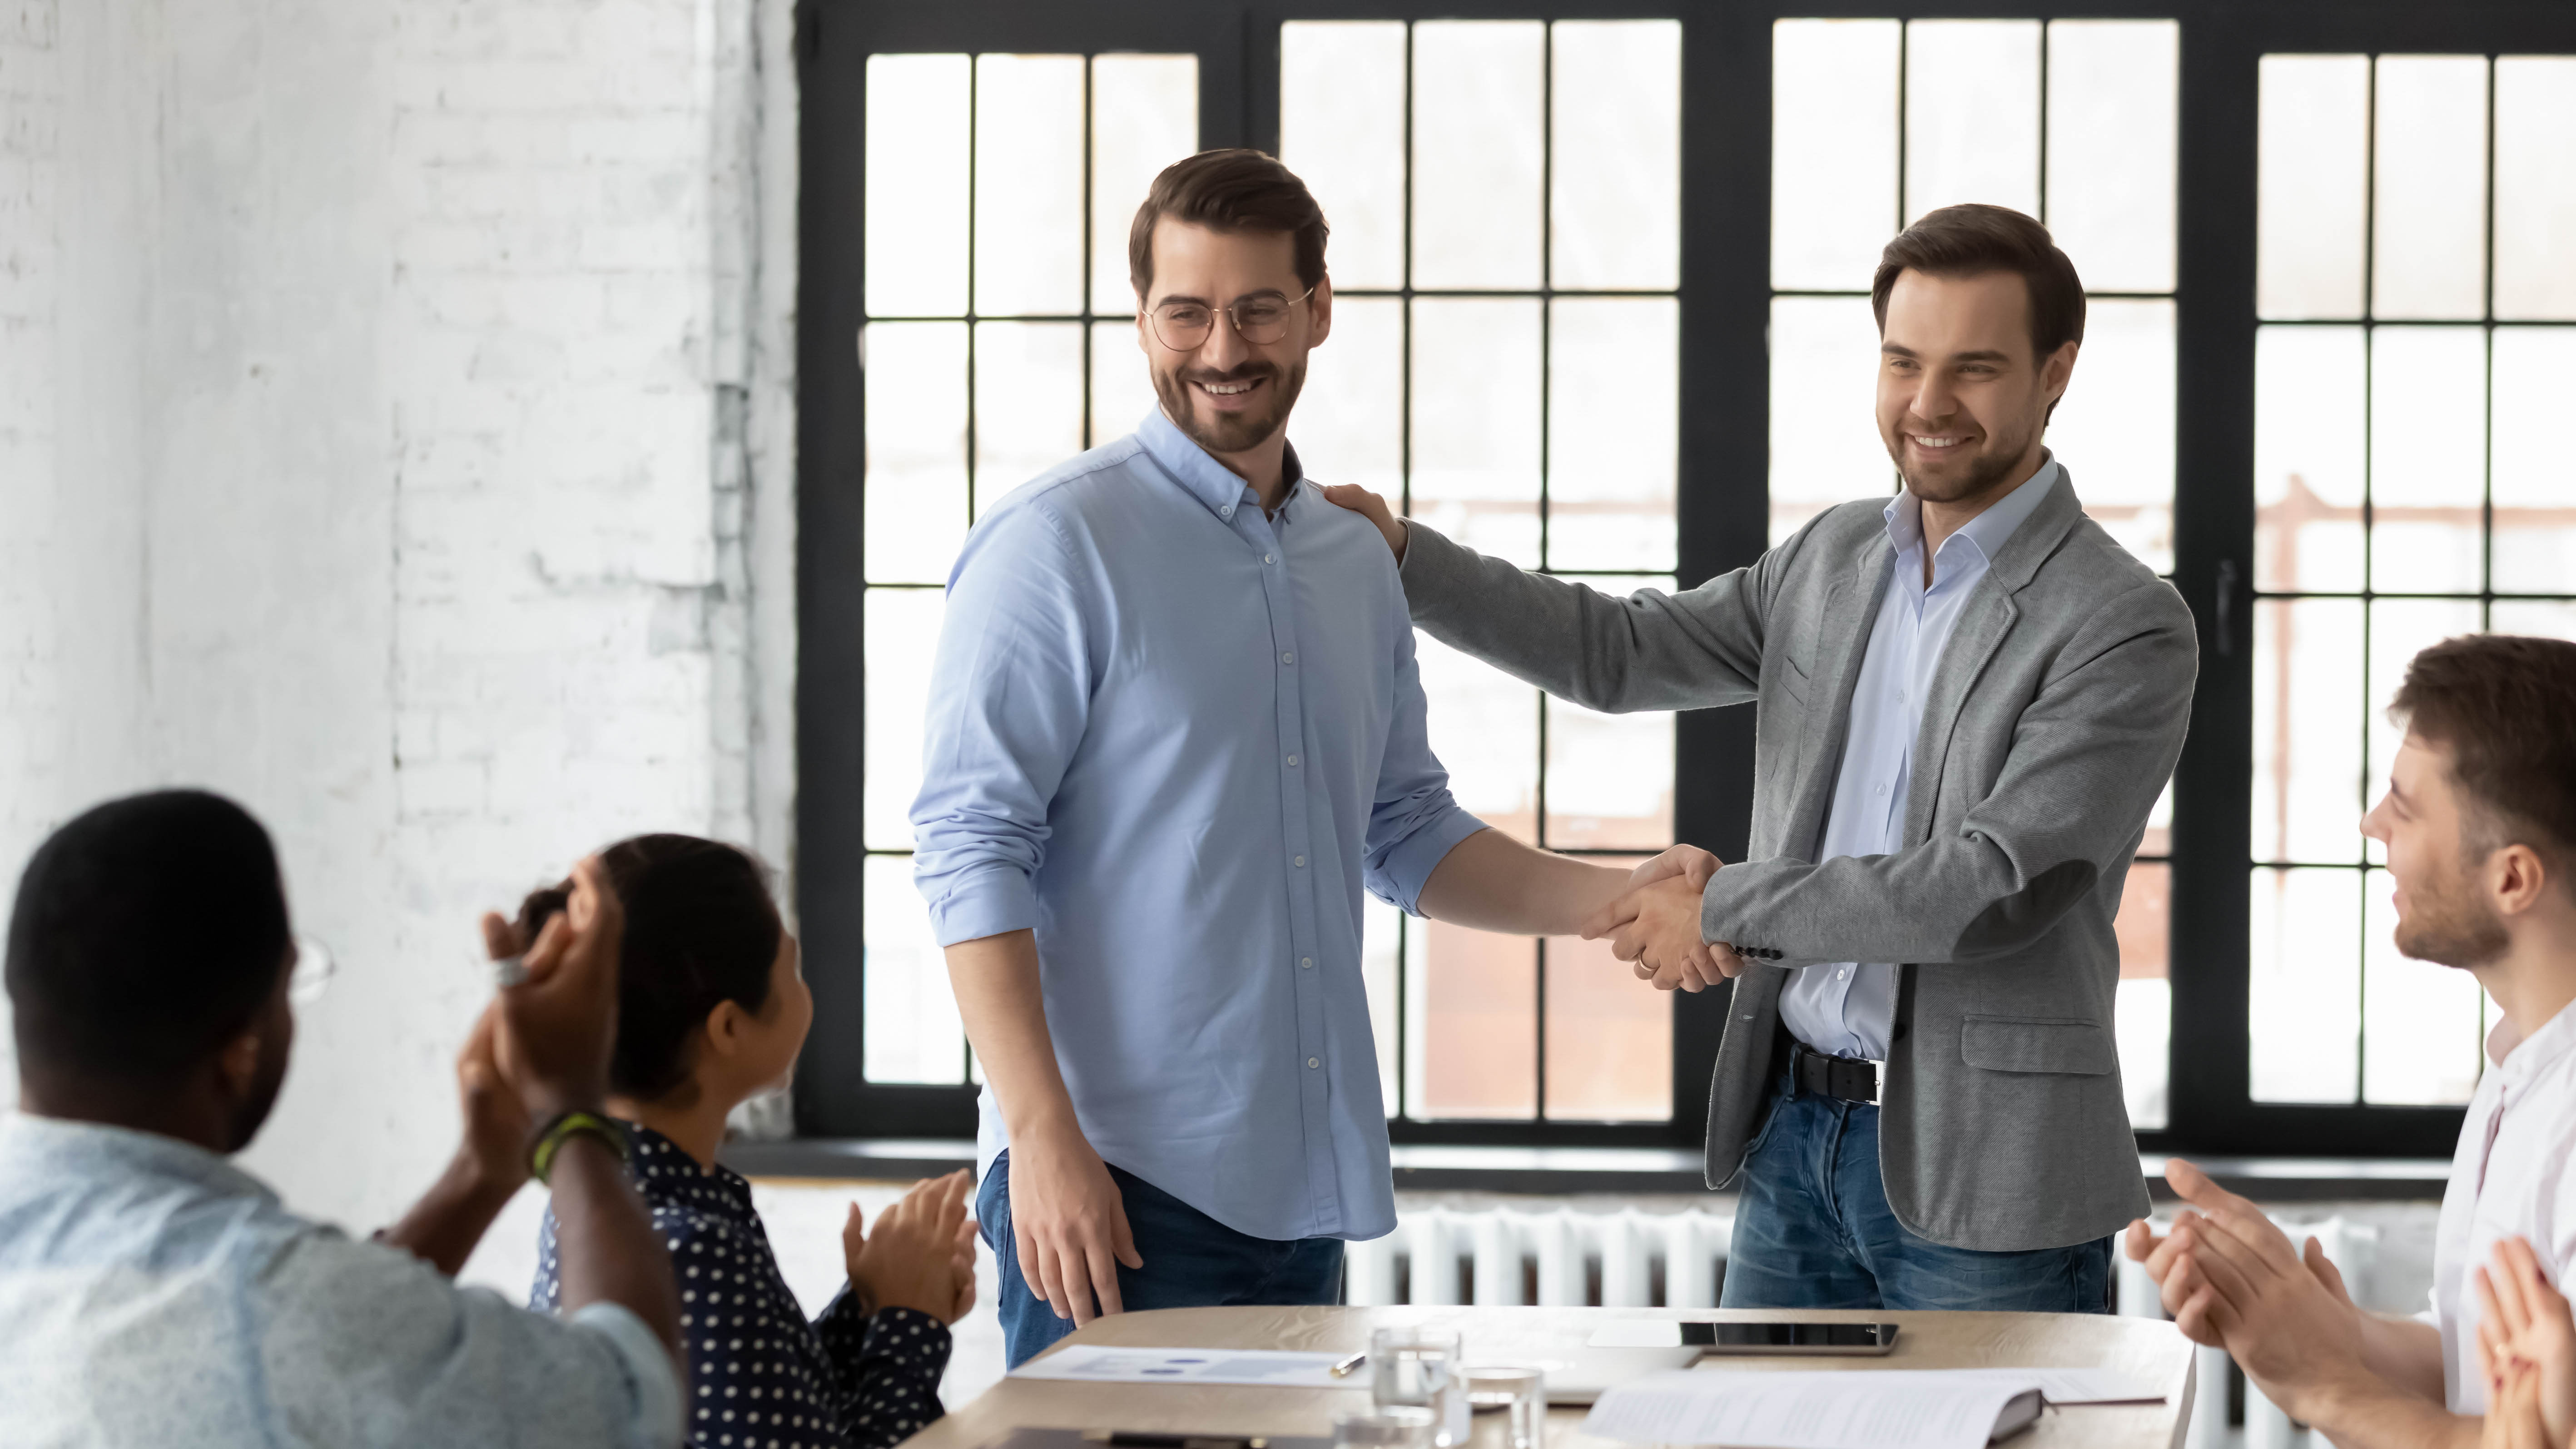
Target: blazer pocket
[2036,1044]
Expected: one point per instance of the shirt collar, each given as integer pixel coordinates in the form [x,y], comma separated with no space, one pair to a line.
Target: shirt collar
[1209,481]
[661,1168]
[2555,1039]
[1988,531]
[89,1149]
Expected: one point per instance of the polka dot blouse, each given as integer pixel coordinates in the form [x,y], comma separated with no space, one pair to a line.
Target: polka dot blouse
[761,1377]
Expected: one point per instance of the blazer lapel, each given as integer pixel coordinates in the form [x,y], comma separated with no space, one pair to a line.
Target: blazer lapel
[1984,621]
[1851,610]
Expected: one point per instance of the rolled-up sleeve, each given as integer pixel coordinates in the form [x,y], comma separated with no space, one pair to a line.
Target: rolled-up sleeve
[1010,693]
[1414,823]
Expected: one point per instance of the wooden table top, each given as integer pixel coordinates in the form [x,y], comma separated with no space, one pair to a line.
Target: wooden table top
[2146,1349]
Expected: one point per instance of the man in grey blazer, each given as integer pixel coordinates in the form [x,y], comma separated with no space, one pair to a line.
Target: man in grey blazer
[1966,701]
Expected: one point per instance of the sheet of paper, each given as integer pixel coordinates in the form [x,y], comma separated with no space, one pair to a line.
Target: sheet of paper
[1273,1367]
[1867,1409]
[2082,1386]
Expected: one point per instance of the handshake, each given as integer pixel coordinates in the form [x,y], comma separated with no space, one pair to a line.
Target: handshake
[1656,924]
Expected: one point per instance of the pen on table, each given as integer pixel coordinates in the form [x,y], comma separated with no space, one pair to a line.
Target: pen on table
[1343,1369]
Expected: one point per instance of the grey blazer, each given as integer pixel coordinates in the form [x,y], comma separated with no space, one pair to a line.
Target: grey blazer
[2054,719]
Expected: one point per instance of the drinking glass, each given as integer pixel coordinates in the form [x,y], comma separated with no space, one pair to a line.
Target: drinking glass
[1520,1392]
[1394,1427]
[1417,1366]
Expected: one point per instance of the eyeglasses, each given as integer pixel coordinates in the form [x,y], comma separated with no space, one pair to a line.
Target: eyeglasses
[1186,326]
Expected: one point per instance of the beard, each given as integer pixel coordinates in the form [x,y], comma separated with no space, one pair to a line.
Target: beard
[2448,926]
[1993,465]
[1230,432]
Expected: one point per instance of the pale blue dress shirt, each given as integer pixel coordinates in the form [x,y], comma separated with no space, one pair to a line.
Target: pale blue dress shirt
[1847,1008]
[153,1293]
[1176,737]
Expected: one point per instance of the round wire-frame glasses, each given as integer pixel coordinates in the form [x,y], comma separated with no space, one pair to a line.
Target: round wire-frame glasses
[1260,320]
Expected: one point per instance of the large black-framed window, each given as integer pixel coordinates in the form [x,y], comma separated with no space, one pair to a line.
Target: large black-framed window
[1725,298]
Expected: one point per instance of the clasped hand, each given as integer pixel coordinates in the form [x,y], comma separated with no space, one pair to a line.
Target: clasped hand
[1656,924]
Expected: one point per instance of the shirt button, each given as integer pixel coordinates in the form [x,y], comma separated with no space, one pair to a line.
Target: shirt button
[1306,963]
[1301,862]
[1314,1062]
[1226,512]
[1288,656]
[1266,558]
[1292,759]
[1882,789]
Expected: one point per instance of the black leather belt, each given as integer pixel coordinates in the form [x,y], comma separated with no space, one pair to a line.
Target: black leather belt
[1845,1079]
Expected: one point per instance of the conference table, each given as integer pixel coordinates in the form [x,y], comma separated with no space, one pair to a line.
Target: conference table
[2148,1350]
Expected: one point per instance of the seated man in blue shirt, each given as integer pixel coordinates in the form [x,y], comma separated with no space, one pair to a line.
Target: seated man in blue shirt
[152,1293]
[1175,727]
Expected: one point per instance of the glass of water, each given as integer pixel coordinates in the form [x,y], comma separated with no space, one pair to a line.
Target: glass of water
[1394,1427]
[1416,1366]
[1519,1393]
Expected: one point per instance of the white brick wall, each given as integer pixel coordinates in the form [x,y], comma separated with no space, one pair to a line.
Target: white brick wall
[388,403]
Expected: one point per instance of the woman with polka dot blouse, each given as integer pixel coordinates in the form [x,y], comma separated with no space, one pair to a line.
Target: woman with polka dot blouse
[711,1012]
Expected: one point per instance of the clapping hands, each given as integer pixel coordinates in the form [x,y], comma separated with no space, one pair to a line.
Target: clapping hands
[1656,924]
[2527,1349]
[922,1253]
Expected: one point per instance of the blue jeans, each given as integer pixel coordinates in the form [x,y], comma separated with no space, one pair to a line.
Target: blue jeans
[1813,1230]
[1191,1261]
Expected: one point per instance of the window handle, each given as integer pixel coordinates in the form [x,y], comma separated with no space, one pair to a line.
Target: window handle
[2224,619]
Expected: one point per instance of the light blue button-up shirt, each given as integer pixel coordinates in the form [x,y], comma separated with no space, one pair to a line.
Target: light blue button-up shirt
[1847,1008]
[1175,737]
[153,1293]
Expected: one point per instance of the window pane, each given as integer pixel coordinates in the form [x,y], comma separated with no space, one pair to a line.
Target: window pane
[1122,393]
[1478,100]
[1144,117]
[2535,200]
[2143,1013]
[1484,728]
[2115,425]
[1609,776]
[1971,114]
[901,630]
[2311,198]
[1028,403]
[2309,442]
[1028,184]
[1341,129]
[2308,705]
[1614,398]
[1476,422]
[2426,1023]
[916,466]
[2111,135]
[1381,927]
[1476,997]
[1825,447]
[916,189]
[2400,629]
[1833,153]
[2535,473]
[2550,619]
[2428,394]
[1609,1035]
[912,1032]
[2428,208]
[1616,109]
[1349,423]
[2303,1010]
[2159,837]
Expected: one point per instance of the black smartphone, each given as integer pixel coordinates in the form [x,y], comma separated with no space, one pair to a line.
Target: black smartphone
[1784,1338]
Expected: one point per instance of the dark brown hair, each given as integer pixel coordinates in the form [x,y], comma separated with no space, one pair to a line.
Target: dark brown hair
[701,930]
[2504,705]
[1229,190]
[1972,239]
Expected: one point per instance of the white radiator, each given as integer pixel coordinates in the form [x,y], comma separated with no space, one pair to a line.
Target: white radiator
[1495,1255]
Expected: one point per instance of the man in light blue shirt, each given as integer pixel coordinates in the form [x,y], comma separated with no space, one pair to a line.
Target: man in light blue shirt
[1175,729]
[151,1293]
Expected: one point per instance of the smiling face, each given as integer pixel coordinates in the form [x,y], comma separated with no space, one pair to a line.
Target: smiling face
[1229,395]
[2445,912]
[1962,398]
